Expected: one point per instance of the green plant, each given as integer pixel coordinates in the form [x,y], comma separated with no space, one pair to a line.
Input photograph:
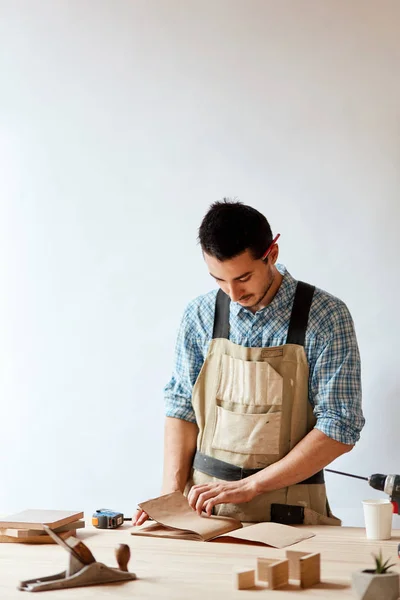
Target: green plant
[381,567]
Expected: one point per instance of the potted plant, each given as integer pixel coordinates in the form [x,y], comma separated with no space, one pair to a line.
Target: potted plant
[378,583]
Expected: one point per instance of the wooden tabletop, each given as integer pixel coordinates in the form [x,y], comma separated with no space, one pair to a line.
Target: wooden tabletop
[194,570]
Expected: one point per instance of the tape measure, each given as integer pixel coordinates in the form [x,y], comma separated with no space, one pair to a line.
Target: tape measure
[104,518]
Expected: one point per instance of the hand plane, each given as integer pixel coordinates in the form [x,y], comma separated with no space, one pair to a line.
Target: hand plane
[83,569]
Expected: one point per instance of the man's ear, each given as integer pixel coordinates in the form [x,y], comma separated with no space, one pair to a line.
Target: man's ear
[273,255]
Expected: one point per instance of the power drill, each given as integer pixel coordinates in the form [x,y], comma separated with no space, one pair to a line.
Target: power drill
[390,484]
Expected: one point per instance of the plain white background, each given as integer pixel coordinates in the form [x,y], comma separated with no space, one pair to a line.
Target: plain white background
[121,121]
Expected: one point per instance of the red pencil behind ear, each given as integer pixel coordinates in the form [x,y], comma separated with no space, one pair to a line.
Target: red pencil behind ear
[270,247]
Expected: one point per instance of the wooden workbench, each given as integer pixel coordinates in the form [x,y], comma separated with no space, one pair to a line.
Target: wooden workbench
[193,570]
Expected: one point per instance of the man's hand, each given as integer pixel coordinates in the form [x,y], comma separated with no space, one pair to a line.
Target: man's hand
[205,497]
[179,448]
[139,517]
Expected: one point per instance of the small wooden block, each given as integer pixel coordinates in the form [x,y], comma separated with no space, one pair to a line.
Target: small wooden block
[263,565]
[272,571]
[278,574]
[245,579]
[310,570]
[294,557]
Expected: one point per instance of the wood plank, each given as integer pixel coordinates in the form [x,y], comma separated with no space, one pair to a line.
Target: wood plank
[35,518]
[35,539]
[24,533]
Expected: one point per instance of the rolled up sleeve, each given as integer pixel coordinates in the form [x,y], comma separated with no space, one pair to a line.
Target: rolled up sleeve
[187,365]
[335,382]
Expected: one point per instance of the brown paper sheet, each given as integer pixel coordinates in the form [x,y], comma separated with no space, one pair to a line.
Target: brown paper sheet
[156,530]
[173,518]
[173,511]
[266,534]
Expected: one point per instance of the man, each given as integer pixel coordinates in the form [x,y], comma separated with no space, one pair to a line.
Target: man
[266,388]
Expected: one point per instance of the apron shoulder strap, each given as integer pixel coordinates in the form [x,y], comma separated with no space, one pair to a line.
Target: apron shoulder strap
[221,317]
[300,311]
[298,319]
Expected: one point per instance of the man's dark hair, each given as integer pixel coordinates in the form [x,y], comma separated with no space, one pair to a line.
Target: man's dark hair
[231,227]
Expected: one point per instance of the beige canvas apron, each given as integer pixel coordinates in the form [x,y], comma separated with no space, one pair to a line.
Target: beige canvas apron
[252,408]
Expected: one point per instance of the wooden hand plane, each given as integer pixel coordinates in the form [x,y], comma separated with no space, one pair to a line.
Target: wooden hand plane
[83,569]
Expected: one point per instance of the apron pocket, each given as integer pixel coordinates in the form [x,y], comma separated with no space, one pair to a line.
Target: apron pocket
[249,382]
[246,433]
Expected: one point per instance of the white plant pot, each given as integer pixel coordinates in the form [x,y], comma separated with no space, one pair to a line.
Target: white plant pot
[368,585]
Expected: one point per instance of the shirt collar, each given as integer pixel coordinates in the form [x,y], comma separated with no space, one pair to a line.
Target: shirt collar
[282,298]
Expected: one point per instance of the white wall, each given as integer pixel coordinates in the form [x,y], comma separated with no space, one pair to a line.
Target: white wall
[121,121]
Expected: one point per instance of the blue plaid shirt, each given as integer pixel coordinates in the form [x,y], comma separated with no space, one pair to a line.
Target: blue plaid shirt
[331,348]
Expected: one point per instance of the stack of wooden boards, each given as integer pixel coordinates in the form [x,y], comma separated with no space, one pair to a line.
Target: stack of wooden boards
[26,527]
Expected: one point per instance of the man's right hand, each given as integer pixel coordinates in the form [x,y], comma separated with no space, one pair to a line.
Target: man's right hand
[179,448]
[139,517]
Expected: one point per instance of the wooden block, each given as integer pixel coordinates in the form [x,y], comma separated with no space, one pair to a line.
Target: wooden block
[245,579]
[278,574]
[24,533]
[272,571]
[310,570]
[294,557]
[35,518]
[35,539]
[263,565]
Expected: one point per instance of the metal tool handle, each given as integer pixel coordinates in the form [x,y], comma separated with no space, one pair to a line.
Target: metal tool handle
[75,547]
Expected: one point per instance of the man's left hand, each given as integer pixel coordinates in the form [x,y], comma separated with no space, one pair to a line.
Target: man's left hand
[204,497]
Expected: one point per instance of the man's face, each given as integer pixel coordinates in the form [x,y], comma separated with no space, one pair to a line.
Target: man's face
[244,279]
